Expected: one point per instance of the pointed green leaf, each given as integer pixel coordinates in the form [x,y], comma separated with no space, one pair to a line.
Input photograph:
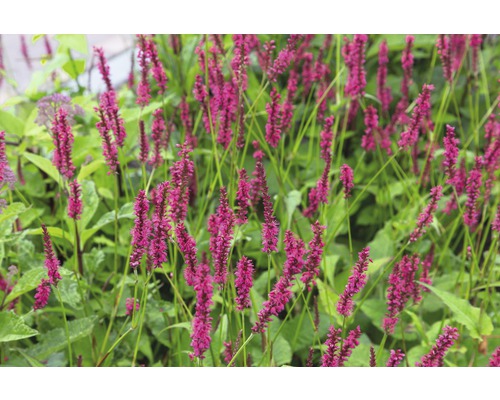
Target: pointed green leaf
[12,327]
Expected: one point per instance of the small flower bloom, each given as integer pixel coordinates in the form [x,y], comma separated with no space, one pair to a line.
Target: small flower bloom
[475,45]
[472,188]
[347,179]
[326,136]
[241,60]
[423,106]
[495,358]
[42,294]
[407,64]
[371,123]
[287,108]
[49,105]
[395,358]
[273,126]
[383,91]
[202,321]
[318,194]
[457,50]
[75,205]
[143,89]
[129,305]
[354,55]
[435,357]
[426,217]
[51,262]
[63,142]
[243,283]
[373,360]
[108,103]
[157,69]
[355,284]
[182,172]
[141,231]
[336,356]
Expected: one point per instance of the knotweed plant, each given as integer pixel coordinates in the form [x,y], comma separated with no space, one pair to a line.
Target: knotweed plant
[252,200]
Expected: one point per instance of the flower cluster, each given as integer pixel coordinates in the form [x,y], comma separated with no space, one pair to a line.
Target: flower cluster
[336,356]
[426,217]
[436,355]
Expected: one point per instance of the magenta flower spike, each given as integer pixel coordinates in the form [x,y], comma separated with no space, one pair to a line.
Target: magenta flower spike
[143,89]
[109,105]
[354,55]
[182,172]
[241,60]
[347,179]
[326,139]
[102,65]
[335,355]
[284,58]
[420,112]
[270,227]
[496,223]
[444,52]
[407,64]
[273,126]
[143,143]
[472,188]
[221,230]
[160,226]
[402,287]
[495,358]
[475,45]
[458,45]
[395,358]
[313,260]
[426,268]
[187,246]
[243,197]
[75,205]
[63,142]
[6,173]
[42,294]
[202,321]
[157,69]
[109,149]
[141,231]
[383,91]
[355,284]
[129,305]
[371,123]
[443,343]
[318,194]
[243,283]
[158,130]
[450,153]
[426,217]
[51,262]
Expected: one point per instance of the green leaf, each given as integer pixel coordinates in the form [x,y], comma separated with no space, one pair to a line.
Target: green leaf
[89,169]
[69,292]
[56,340]
[29,281]
[74,68]
[53,231]
[464,313]
[282,351]
[11,124]
[12,210]
[292,201]
[73,42]
[12,327]
[45,165]
[90,202]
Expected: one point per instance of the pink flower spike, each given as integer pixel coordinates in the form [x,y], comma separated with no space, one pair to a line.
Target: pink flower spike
[472,188]
[495,358]
[354,55]
[63,142]
[102,65]
[443,343]
[395,358]
[108,103]
[371,123]
[158,130]
[426,217]
[143,89]
[444,52]
[109,149]
[160,226]
[496,223]
[355,284]
[347,179]
[51,262]
[450,153]
[273,126]
[75,205]
[407,64]
[420,112]
[313,260]
[202,321]
[157,69]
[141,231]
[243,197]
[383,91]
[187,246]
[144,145]
[129,305]
[270,227]
[284,58]
[243,283]
[326,136]
[42,294]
